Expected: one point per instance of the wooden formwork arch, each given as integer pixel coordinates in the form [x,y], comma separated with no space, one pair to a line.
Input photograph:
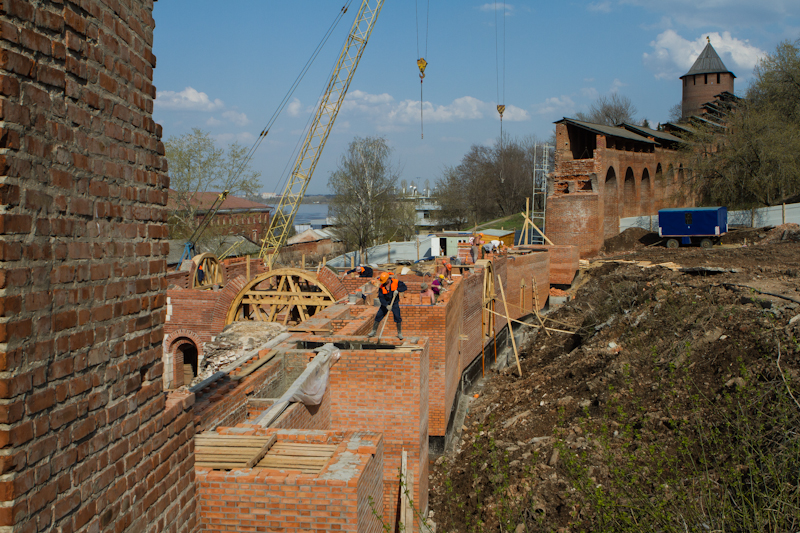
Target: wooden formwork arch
[288,294]
[487,307]
[213,273]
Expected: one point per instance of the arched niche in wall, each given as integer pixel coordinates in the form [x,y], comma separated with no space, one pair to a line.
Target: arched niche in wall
[610,204]
[645,194]
[629,203]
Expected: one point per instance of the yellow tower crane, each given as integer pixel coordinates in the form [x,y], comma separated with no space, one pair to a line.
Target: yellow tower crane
[320,128]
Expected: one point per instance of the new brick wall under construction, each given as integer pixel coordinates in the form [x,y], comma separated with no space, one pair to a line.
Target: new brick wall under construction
[89,440]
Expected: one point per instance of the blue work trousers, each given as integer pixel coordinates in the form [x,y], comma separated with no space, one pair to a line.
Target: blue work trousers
[395,311]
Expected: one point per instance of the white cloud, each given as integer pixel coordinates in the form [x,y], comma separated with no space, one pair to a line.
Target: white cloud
[498,6]
[389,114]
[294,108]
[240,119]
[600,7]
[673,55]
[556,105]
[188,99]
[212,122]
[616,85]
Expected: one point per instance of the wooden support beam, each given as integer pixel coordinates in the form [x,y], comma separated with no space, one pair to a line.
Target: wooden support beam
[510,329]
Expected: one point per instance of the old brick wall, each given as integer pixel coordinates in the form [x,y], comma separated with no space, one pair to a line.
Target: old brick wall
[575,220]
[89,438]
[587,197]
[699,89]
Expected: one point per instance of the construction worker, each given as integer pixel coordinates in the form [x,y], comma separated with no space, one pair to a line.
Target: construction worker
[437,285]
[426,294]
[446,270]
[389,295]
[363,271]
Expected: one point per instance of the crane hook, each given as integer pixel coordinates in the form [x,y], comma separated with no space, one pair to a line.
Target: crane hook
[421,63]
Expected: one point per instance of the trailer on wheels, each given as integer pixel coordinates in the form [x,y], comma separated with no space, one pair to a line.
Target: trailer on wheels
[692,225]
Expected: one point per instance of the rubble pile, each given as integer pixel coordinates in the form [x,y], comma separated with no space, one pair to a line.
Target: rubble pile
[235,341]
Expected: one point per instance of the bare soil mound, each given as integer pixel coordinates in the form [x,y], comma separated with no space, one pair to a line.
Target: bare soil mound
[630,239]
[657,353]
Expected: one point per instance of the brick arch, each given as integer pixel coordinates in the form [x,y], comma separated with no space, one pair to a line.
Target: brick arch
[225,300]
[645,193]
[170,345]
[610,204]
[629,203]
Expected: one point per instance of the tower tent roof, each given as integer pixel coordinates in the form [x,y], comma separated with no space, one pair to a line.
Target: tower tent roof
[708,62]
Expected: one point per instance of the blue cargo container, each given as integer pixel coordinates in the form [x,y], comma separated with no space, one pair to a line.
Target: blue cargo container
[687,225]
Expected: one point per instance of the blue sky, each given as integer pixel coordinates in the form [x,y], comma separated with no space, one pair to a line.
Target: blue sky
[225,67]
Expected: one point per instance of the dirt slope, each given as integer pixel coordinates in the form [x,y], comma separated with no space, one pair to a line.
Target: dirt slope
[656,348]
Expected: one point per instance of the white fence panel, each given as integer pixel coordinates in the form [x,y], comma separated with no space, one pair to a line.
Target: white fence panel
[765,216]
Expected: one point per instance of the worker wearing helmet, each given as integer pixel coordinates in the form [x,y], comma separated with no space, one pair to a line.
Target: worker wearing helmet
[363,271]
[389,295]
[447,271]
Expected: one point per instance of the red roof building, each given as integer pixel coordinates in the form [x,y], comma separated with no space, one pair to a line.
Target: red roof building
[236,216]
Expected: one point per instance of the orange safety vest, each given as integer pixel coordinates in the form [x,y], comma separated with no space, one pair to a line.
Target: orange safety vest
[393,284]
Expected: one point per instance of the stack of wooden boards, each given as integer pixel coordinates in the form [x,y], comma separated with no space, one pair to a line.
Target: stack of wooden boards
[308,458]
[226,452]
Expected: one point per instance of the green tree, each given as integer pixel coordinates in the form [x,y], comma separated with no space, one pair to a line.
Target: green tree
[754,159]
[197,165]
[490,182]
[364,201]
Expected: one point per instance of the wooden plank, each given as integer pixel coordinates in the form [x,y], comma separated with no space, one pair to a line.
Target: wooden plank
[262,452]
[293,459]
[306,444]
[304,453]
[403,502]
[510,329]
[213,450]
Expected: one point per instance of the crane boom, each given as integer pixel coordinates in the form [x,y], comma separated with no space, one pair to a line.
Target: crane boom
[320,128]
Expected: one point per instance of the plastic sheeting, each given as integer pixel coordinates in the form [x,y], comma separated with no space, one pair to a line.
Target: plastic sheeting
[308,388]
[311,391]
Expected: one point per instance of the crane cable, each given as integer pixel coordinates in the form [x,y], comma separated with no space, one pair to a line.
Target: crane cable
[285,101]
[421,63]
[500,107]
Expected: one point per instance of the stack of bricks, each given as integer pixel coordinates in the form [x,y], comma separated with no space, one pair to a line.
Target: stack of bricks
[338,498]
[90,441]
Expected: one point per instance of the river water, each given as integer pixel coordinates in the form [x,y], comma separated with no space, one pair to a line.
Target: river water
[308,212]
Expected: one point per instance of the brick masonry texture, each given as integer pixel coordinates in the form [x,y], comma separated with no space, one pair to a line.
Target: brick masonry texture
[587,197]
[405,396]
[89,439]
[338,498]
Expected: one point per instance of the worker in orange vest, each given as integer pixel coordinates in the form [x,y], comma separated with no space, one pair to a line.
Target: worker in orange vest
[389,294]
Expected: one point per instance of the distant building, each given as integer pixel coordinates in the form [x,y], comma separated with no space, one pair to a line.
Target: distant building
[236,216]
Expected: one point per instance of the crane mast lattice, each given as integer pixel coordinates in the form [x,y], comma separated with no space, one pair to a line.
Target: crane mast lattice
[320,128]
